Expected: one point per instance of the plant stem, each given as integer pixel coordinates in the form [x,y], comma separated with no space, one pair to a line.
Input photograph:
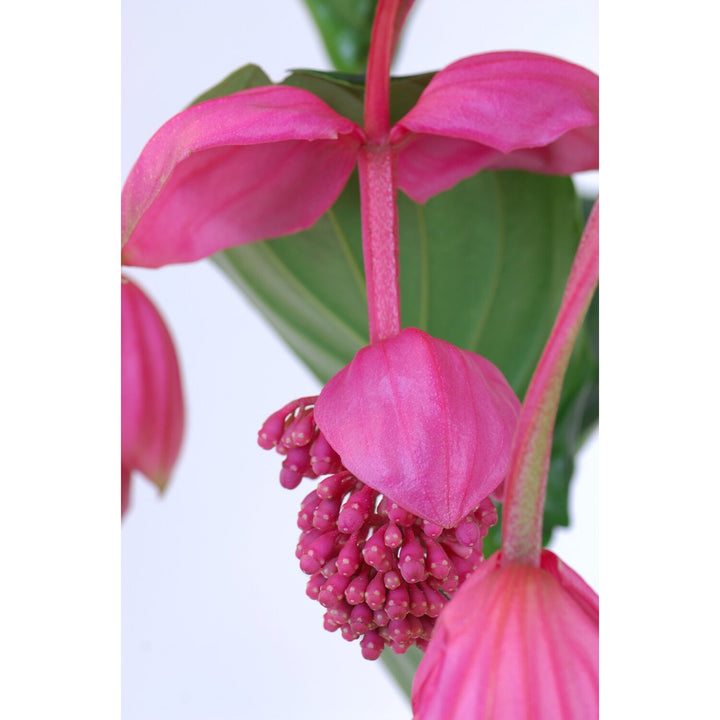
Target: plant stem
[378,188]
[526,483]
[387,25]
[376,166]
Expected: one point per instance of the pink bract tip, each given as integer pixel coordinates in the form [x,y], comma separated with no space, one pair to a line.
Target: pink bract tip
[153,415]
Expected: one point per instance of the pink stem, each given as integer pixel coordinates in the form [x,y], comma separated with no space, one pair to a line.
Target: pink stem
[526,483]
[376,166]
[389,18]
[378,187]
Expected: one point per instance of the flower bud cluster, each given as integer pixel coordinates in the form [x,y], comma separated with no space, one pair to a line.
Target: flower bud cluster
[382,573]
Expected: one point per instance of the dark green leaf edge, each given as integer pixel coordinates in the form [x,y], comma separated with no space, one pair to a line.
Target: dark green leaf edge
[248,76]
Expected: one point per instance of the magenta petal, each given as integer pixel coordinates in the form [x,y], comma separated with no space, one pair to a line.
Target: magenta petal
[498,110]
[254,165]
[423,422]
[516,642]
[152,400]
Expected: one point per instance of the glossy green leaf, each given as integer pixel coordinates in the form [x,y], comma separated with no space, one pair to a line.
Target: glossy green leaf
[345,27]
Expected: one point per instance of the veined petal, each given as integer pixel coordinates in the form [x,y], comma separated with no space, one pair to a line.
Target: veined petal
[152,400]
[253,165]
[498,110]
[516,641]
[423,422]
[581,592]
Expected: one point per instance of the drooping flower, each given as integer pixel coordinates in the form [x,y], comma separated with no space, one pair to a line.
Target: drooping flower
[413,435]
[516,641]
[152,399]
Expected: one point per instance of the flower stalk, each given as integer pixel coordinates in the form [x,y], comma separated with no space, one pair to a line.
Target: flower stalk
[378,183]
[378,190]
[526,483]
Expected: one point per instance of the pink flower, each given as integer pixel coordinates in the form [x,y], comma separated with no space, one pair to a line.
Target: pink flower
[517,641]
[152,400]
[413,435]
[269,161]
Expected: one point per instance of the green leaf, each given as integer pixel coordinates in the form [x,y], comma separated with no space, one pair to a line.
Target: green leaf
[310,286]
[344,93]
[245,77]
[577,416]
[345,27]
[402,667]
[475,271]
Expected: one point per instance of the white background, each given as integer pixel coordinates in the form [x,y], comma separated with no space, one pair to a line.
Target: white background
[215,622]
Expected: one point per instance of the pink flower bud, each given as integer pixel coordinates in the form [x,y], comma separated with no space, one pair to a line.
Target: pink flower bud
[152,400]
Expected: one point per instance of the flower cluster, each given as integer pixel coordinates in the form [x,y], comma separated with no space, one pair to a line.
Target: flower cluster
[412,437]
[382,572]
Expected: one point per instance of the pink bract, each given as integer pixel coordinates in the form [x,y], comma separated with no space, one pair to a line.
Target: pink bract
[259,163]
[516,642]
[498,110]
[269,161]
[152,399]
[423,422]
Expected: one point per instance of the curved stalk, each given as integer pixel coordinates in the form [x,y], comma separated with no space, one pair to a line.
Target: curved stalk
[526,483]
